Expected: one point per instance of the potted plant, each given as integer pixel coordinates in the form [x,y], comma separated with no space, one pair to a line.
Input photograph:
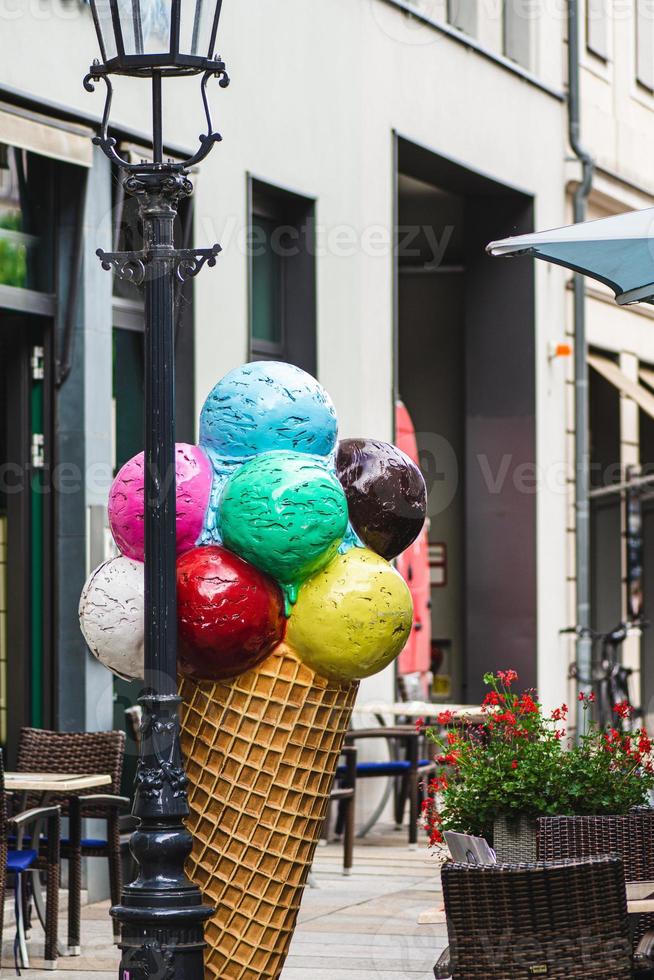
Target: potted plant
[519,764]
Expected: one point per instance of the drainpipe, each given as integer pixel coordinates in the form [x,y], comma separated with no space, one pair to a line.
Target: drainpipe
[582,437]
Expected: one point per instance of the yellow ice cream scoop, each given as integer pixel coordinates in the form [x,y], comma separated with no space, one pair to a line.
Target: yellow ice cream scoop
[352,618]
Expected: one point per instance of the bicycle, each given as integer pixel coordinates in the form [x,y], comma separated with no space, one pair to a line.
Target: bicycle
[609,677]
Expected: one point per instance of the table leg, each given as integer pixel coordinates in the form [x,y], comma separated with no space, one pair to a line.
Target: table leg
[36,890]
[74,876]
[20,922]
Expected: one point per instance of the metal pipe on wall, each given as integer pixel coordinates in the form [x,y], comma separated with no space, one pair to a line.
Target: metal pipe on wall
[582,434]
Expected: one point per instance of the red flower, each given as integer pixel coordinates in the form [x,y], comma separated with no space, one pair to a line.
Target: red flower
[644,744]
[420,724]
[445,718]
[623,709]
[452,738]
[514,764]
[450,759]
[508,717]
[507,677]
[527,705]
[591,697]
[492,699]
[560,714]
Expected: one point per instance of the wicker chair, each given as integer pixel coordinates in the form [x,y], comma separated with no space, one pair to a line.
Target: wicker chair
[553,919]
[18,860]
[82,752]
[630,836]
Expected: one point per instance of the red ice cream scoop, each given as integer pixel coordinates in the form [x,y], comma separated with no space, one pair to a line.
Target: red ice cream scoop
[231,615]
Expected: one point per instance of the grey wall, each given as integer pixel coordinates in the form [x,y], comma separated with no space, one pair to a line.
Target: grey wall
[500,438]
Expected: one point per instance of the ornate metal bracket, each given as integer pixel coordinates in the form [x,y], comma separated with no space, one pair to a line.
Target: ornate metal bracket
[129,266]
[134,267]
[108,144]
[191,260]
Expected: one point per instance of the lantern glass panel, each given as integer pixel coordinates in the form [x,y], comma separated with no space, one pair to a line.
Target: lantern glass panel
[105,28]
[196,27]
[146,26]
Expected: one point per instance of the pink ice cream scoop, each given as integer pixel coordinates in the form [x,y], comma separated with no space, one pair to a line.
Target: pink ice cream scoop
[127,495]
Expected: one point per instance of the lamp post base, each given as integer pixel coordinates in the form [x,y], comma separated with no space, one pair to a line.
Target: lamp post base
[163,944]
[161,913]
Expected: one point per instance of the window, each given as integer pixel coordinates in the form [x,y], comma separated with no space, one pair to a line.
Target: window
[267,286]
[597,28]
[645,43]
[518,15]
[282,276]
[463,15]
[18,242]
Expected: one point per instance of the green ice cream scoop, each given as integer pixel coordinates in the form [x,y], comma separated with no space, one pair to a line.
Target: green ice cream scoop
[286,513]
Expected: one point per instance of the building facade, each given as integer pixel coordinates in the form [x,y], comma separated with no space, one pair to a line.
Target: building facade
[371,150]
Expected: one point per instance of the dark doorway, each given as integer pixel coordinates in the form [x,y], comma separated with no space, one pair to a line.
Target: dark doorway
[466,372]
[26,666]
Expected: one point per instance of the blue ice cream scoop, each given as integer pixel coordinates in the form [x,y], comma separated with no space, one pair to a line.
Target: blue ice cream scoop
[263,406]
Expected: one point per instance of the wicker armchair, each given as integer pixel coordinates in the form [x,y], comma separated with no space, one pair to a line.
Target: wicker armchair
[82,752]
[19,859]
[630,836]
[553,919]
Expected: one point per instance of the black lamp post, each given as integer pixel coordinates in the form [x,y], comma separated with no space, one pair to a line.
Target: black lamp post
[161,913]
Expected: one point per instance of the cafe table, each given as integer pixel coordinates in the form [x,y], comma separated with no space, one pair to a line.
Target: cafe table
[640,897]
[47,785]
[470,714]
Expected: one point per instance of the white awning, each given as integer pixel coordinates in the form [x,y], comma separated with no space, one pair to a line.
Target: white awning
[47,137]
[616,251]
[609,370]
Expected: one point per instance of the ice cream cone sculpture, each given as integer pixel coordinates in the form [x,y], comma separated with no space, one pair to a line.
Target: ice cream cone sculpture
[286,599]
[261,753]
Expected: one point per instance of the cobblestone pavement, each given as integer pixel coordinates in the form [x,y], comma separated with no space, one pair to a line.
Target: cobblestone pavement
[362,927]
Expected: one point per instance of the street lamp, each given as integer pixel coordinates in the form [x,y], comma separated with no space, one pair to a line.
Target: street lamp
[161,913]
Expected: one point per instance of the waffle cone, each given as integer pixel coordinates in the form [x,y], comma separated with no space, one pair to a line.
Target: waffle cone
[261,753]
